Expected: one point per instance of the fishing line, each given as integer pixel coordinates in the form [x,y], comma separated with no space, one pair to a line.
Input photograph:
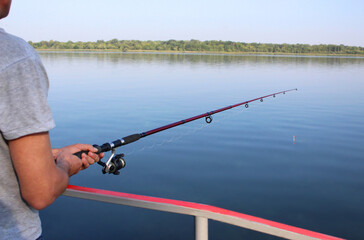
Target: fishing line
[173,139]
[188,132]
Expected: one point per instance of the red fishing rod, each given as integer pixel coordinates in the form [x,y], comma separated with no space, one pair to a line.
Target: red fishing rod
[116,162]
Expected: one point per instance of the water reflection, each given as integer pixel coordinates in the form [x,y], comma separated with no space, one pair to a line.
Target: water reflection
[208,59]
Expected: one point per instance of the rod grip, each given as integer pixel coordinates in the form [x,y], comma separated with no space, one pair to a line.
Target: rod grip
[79,154]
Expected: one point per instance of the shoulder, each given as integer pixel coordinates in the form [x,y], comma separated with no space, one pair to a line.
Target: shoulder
[14,49]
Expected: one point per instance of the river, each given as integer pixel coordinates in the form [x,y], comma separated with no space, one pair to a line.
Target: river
[296,159]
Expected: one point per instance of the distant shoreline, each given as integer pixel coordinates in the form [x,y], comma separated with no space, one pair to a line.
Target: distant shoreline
[202,47]
[198,52]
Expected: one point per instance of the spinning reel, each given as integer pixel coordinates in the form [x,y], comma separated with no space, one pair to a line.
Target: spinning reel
[113,164]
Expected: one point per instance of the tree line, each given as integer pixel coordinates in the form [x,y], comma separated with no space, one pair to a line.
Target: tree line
[199,46]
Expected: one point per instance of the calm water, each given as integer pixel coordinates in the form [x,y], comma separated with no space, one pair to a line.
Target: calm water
[244,161]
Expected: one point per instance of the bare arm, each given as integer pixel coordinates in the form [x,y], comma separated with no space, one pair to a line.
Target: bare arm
[41,179]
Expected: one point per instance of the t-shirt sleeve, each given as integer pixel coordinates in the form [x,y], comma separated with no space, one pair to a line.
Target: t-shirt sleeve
[24,108]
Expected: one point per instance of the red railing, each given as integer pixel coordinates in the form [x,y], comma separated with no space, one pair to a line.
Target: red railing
[201,212]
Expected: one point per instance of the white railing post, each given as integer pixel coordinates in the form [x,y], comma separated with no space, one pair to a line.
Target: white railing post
[201,228]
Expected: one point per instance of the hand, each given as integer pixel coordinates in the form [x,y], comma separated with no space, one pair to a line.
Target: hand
[90,158]
[65,158]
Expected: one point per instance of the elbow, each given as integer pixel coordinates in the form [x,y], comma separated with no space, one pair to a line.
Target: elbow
[39,201]
[40,196]
[39,204]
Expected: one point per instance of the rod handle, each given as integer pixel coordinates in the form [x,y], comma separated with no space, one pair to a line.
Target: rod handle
[79,154]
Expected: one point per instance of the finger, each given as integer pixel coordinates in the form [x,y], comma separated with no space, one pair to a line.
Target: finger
[90,160]
[85,163]
[94,157]
[83,147]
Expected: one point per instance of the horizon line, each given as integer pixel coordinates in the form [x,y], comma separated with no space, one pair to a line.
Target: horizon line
[74,41]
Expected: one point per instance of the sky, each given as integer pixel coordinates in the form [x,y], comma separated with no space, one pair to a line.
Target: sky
[263,21]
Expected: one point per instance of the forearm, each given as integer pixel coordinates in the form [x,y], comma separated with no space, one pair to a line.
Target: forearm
[50,186]
[41,180]
[43,173]
[62,177]
[60,181]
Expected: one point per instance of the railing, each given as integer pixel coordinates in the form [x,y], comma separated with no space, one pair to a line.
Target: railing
[201,212]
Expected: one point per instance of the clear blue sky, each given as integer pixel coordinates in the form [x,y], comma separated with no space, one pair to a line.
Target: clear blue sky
[279,21]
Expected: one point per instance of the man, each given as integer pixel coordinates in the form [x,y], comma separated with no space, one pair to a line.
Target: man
[32,175]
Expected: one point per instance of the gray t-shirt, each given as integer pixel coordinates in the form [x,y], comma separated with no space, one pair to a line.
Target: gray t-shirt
[24,110]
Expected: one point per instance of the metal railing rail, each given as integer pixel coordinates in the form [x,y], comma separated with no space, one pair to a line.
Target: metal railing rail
[201,213]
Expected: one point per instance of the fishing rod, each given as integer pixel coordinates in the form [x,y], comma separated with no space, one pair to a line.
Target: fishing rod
[116,162]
